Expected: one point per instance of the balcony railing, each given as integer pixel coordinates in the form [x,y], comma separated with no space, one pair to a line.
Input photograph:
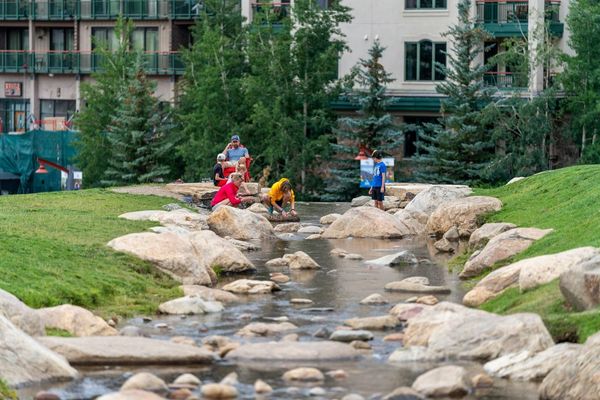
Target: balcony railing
[512,11]
[98,9]
[505,80]
[73,62]
[275,12]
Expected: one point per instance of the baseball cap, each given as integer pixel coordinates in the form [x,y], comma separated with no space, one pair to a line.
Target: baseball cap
[221,157]
[235,137]
[376,154]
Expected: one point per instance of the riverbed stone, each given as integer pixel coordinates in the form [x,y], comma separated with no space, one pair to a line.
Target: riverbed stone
[531,367]
[209,294]
[406,311]
[373,323]
[293,351]
[495,283]
[23,317]
[262,387]
[290,227]
[122,350]
[218,391]
[240,224]
[366,222]
[187,379]
[220,253]
[374,299]
[360,201]
[258,208]
[413,222]
[131,395]
[76,320]
[452,331]
[502,247]
[301,301]
[581,285]
[427,200]
[329,218]
[313,237]
[409,286]
[311,230]
[242,245]
[190,305]
[462,213]
[172,253]
[265,329]
[403,393]
[184,218]
[427,300]
[343,335]
[404,257]
[249,286]
[445,246]
[446,381]
[25,361]
[280,278]
[482,235]
[304,374]
[575,377]
[300,260]
[145,381]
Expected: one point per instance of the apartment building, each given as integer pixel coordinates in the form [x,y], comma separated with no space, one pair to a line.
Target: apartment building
[46,52]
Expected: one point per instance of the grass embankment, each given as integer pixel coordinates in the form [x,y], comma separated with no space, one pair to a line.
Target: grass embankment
[53,251]
[567,200]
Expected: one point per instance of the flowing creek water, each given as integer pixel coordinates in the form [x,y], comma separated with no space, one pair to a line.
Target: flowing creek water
[336,290]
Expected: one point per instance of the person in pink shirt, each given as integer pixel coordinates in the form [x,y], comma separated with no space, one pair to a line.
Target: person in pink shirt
[227,195]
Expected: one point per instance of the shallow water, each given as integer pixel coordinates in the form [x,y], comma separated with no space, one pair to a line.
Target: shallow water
[336,290]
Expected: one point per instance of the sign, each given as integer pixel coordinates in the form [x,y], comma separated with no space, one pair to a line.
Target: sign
[366,172]
[13,89]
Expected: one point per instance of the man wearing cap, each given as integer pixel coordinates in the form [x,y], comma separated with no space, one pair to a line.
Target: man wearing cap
[234,150]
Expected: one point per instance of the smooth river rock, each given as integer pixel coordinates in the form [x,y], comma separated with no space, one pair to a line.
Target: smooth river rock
[581,285]
[122,350]
[483,234]
[300,260]
[446,381]
[500,248]
[374,299]
[249,286]
[209,294]
[304,375]
[347,335]
[294,351]
[20,314]
[131,395]
[76,320]
[190,305]
[25,361]
[240,224]
[329,218]
[429,199]
[181,218]
[218,391]
[366,222]
[404,257]
[409,285]
[462,213]
[265,329]
[373,323]
[145,381]
[217,252]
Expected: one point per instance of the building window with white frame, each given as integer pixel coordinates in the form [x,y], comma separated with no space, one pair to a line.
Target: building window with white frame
[421,59]
[425,4]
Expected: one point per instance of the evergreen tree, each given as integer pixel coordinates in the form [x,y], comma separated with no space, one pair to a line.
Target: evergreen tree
[372,128]
[211,105]
[459,148]
[100,99]
[138,135]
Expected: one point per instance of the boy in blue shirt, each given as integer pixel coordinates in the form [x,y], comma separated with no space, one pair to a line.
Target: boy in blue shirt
[377,190]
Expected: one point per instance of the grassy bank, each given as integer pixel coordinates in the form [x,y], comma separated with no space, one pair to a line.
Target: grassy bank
[566,200]
[53,251]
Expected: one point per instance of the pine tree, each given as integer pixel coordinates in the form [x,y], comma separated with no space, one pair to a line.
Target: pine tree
[372,128]
[458,148]
[138,135]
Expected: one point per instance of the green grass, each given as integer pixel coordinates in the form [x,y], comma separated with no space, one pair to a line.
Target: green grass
[567,200]
[53,251]
[6,393]
[58,332]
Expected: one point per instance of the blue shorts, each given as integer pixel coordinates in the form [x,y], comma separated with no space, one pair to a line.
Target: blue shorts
[376,193]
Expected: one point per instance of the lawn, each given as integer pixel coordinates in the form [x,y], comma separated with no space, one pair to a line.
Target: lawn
[53,251]
[567,200]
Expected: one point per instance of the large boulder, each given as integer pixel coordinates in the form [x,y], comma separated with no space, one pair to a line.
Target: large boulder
[190,305]
[451,331]
[76,320]
[249,286]
[426,201]
[240,224]
[502,247]
[172,253]
[181,218]
[360,201]
[366,222]
[527,367]
[494,284]
[576,377]
[446,381]
[463,213]
[329,218]
[25,361]
[581,285]
[294,351]
[414,221]
[123,350]
[209,294]
[483,234]
[415,285]
[20,314]
[217,252]
[373,323]
[300,260]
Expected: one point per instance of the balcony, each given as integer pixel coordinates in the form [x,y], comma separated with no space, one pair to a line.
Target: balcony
[511,18]
[61,10]
[506,80]
[273,12]
[73,62]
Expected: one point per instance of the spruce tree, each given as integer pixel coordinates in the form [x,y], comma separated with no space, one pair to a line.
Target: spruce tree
[372,128]
[459,148]
[138,135]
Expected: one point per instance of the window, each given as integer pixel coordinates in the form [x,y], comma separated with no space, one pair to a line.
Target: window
[421,58]
[61,39]
[424,4]
[104,37]
[411,138]
[14,39]
[57,108]
[145,39]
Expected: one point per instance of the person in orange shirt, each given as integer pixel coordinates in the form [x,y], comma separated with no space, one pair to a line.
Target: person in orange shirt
[281,198]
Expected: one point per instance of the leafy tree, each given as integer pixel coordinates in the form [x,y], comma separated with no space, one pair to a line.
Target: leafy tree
[372,128]
[459,148]
[581,76]
[138,134]
[211,105]
[100,99]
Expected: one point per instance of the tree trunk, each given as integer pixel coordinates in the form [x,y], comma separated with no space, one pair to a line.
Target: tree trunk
[583,139]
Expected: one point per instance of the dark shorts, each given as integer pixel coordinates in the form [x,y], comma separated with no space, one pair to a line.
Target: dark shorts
[376,194]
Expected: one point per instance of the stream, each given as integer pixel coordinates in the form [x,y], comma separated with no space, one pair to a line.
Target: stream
[336,290]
